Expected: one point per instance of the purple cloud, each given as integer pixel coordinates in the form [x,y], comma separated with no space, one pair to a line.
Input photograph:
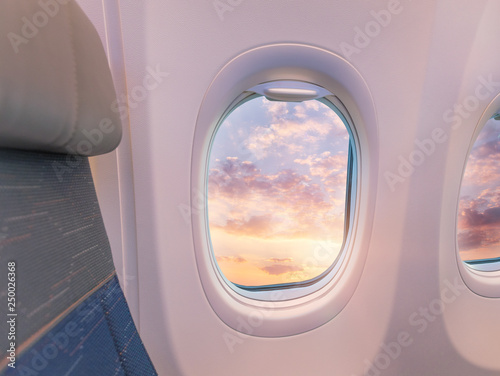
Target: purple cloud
[475,218]
[278,269]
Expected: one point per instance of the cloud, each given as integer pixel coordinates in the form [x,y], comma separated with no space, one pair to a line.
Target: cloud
[486,150]
[234,178]
[255,189]
[287,136]
[301,110]
[470,239]
[478,224]
[325,164]
[259,226]
[275,259]
[237,180]
[482,171]
[235,259]
[294,128]
[278,269]
[475,218]
[491,195]
[243,200]
[484,161]
[311,105]
[478,238]
[277,110]
[488,141]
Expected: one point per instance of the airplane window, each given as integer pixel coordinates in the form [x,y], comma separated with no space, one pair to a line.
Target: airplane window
[479,208]
[279,188]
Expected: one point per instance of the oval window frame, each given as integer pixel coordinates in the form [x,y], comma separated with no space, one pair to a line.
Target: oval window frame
[276,316]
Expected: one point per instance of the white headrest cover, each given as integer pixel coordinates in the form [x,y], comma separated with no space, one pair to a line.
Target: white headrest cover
[56,90]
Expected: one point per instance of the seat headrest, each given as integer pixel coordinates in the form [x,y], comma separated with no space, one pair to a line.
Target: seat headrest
[56,89]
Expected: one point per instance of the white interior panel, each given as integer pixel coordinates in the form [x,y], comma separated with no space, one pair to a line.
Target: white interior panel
[411,312]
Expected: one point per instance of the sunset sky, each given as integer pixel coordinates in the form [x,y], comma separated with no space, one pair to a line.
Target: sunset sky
[479,209]
[276,192]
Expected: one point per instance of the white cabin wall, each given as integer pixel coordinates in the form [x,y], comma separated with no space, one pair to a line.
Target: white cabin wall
[190,42]
[426,60]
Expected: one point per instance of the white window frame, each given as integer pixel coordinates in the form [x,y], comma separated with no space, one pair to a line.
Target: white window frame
[287,311]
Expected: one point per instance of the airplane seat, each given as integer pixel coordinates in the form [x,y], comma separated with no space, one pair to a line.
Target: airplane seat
[63,311]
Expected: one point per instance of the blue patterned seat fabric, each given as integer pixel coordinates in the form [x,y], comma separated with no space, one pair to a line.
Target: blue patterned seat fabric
[72,317]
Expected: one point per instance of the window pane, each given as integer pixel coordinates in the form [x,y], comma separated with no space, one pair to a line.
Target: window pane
[479,208]
[277,191]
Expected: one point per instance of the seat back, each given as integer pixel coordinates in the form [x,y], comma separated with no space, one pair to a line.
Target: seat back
[66,313]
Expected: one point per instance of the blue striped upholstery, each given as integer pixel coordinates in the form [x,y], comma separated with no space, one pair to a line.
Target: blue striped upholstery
[97,338]
[72,317]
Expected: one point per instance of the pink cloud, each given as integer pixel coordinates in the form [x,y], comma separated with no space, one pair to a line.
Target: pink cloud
[325,165]
[482,171]
[283,204]
[292,133]
[478,238]
[278,269]
[270,196]
[236,179]
[277,110]
[235,259]
[260,226]
[470,239]
[275,259]
[483,163]
[476,218]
